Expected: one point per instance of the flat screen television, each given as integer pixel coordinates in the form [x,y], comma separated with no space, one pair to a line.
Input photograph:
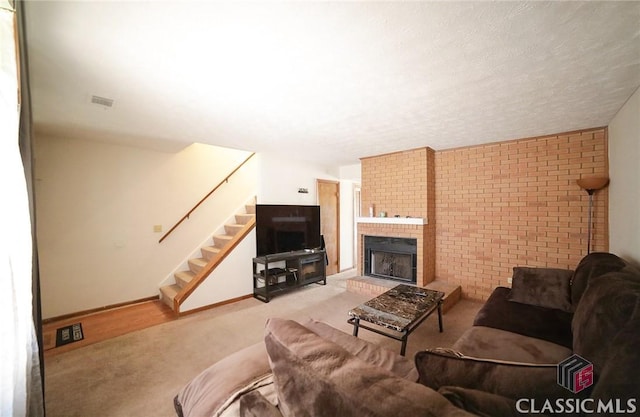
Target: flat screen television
[286,228]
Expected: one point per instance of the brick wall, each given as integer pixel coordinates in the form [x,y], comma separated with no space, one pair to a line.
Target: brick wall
[516,203]
[396,183]
[402,183]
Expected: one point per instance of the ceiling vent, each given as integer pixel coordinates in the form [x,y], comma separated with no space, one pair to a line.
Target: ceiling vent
[102,101]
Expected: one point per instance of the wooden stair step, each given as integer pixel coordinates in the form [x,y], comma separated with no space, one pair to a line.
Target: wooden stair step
[250,208]
[183,278]
[197,264]
[169,292]
[233,229]
[244,218]
[221,240]
[209,252]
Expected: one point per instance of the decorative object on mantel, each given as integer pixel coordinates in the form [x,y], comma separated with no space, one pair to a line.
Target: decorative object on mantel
[371,210]
[591,185]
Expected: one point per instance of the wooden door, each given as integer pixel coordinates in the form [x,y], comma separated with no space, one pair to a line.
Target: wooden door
[329,201]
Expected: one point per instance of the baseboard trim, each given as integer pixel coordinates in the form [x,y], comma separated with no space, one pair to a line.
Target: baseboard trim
[99,309]
[210,306]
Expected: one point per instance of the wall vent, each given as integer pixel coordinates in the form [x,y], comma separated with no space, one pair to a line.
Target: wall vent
[102,101]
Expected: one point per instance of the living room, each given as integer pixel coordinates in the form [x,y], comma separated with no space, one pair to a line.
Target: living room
[509,199]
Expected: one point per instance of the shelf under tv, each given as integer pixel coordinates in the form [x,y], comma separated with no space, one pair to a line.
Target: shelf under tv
[283,272]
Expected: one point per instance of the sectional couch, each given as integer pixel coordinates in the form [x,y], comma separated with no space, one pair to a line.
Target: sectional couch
[558,342]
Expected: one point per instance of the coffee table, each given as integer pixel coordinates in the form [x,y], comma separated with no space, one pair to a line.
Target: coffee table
[397,312]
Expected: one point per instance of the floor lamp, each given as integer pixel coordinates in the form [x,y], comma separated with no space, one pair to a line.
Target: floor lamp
[591,185]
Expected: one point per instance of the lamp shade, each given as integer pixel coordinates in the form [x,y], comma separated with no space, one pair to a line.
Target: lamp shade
[593,183]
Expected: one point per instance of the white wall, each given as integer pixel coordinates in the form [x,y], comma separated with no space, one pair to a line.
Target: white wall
[97,203]
[350,177]
[281,177]
[624,189]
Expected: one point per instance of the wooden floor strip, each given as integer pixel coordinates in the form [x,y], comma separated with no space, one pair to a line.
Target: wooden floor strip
[107,324]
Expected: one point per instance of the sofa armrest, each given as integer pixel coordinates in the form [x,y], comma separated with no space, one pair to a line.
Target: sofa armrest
[480,403]
[253,404]
[215,387]
[443,367]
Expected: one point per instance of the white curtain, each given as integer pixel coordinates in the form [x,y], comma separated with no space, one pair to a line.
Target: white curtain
[19,361]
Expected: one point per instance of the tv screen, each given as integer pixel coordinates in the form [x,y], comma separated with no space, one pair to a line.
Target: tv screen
[286,228]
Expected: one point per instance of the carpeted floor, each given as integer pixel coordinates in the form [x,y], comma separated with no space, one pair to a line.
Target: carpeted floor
[138,374]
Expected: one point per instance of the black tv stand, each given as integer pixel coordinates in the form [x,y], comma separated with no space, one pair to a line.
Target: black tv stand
[295,270]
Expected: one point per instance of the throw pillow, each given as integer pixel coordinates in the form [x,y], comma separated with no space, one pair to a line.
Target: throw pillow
[438,368]
[316,377]
[544,287]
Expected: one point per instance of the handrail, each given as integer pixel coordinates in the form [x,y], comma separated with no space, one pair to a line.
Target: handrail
[186,216]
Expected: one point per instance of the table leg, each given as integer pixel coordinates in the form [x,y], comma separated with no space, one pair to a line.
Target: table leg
[440,316]
[403,349]
[356,323]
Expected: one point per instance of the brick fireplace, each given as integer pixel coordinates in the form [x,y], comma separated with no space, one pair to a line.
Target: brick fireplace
[402,185]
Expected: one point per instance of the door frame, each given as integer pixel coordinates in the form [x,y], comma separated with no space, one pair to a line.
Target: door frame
[337,243]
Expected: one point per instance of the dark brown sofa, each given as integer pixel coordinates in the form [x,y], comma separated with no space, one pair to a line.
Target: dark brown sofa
[522,333]
[506,364]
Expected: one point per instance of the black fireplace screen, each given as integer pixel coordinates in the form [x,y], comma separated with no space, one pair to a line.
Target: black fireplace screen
[390,258]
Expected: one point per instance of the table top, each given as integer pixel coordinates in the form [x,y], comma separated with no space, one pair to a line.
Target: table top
[398,308]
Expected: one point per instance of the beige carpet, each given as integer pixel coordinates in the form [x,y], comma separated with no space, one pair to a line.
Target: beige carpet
[138,374]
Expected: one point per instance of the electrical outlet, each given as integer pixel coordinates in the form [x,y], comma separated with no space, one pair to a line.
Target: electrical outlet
[510,280]
[157,228]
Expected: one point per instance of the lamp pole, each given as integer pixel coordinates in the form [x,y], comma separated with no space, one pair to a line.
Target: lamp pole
[589,224]
[591,185]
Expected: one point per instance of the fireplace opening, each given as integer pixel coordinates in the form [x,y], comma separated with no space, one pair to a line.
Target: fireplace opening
[390,258]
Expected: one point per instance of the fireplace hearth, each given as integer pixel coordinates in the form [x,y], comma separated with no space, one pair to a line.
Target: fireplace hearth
[390,258]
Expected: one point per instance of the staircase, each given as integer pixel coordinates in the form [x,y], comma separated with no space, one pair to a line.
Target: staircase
[212,255]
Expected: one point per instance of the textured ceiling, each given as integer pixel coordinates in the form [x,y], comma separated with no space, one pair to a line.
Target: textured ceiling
[329,82]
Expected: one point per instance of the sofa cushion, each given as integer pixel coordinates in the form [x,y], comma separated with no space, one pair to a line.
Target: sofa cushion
[529,320]
[490,343]
[367,351]
[606,306]
[438,368]
[316,377]
[543,287]
[591,266]
[479,403]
